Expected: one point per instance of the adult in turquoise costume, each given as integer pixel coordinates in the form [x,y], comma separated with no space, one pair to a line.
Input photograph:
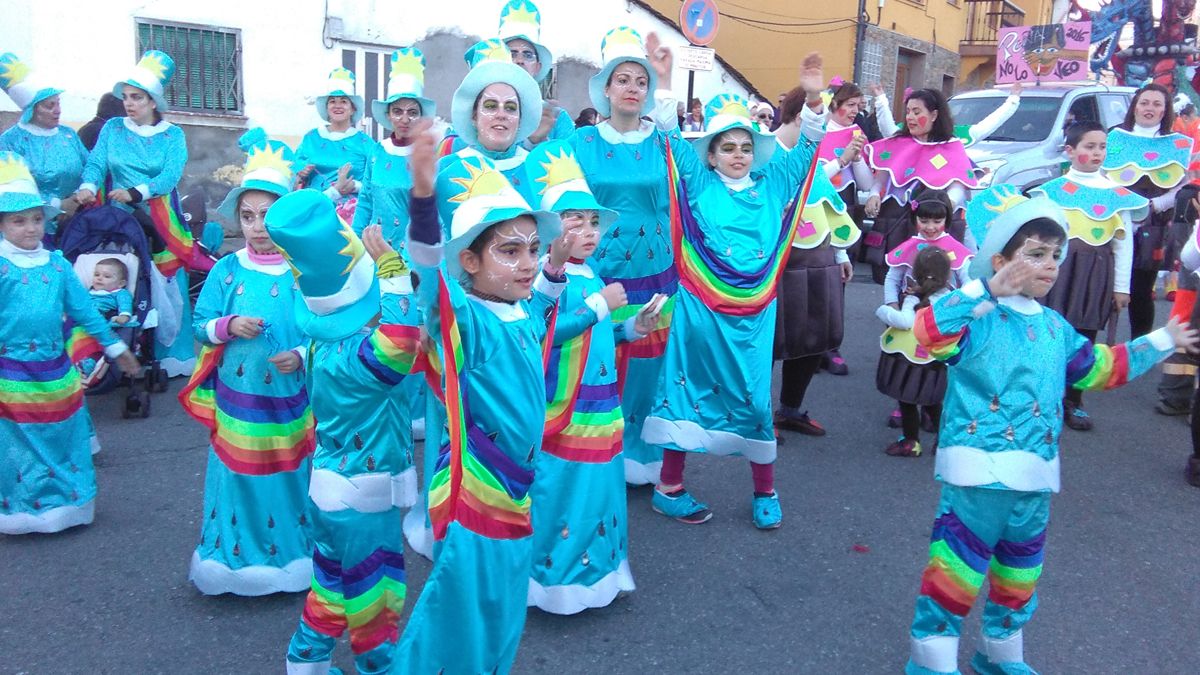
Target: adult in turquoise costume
[361,476]
[248,389]
[333,156]
[47,482]
[625,162]
[137,163]
[487,305]
[54,152]
[998,458]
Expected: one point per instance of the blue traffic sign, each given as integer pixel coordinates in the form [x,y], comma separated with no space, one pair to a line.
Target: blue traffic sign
[698,20]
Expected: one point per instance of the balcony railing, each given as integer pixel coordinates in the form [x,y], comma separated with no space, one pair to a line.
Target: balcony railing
[985,18]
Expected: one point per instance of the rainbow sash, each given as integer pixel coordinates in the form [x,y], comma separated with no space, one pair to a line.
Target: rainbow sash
[367,598]
[475,483]
[564,375]
[707,274]
[164,210]
[251,434]
[39,392]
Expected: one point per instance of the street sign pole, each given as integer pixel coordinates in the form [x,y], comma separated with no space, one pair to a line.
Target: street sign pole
[698,20]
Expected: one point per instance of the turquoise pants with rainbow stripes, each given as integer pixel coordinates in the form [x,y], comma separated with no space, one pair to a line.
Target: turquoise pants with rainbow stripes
[358,586]
[980,532]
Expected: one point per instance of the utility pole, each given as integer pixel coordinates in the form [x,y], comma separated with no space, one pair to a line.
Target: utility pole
[860,35]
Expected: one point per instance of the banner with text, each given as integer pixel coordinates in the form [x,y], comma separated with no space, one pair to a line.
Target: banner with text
[1052,53]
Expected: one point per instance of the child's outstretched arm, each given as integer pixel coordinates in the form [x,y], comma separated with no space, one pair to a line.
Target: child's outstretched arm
[386,355]
[1095,367]
[902,318]
[596,308]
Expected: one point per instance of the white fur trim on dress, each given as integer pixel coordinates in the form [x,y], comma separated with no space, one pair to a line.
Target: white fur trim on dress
[94,442]
[637,473]
[418,535]
[692,437]
[938,653]
[56,519]
[401,285]
[574,598]
[177,368]
[316,668]
[1004,650]
[364,493]
[214,578]
[1015,469]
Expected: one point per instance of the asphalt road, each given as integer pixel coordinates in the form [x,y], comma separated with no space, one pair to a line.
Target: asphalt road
[830,592]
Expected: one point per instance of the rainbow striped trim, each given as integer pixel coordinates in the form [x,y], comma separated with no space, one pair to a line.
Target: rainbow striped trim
[367,599]
[390,351]
[564,374]
[595,429]
[80,345]
[446,147]
[39,392]
[1098,367]
[958,561]
[165,214]
[475,483]
[251,434]
[943,347]
[1015,570]
[707,274]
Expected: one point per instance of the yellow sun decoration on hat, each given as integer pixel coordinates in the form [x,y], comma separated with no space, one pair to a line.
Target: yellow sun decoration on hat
[479,181]
[267,158]
[1006,197]
[12,169]
[622,35]
[154,64]
[15,72]
[521,14]
[559,170]
[408,63]
[731,105]
[493,50]
[354,247]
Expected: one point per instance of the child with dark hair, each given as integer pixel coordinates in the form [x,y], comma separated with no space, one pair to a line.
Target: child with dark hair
[1009,359]
[109,295]
[1093,280]
[907,371]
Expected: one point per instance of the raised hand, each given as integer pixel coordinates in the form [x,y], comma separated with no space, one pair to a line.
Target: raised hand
[344,183]
[812,77]
[661,59]
[560,250]
[1012,278]
[373,241]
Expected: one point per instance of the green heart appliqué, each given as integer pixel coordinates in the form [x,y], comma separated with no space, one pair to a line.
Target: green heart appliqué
[1097,232]
[842,233]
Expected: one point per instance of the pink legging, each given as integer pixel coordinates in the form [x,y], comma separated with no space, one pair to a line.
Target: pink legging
[672,472]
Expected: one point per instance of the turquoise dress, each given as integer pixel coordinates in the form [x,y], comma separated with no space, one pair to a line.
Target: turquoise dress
[254,531]
[55,157]
[112,304]
[580,531]
[47,481]
[478,587]
[149,158]
[328,151]
[714,391]
[628,174]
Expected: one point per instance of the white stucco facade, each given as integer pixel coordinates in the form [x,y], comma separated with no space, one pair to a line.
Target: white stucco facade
[287,49]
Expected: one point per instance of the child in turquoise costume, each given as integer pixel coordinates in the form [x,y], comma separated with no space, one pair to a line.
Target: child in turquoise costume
[361,476]
[1093,280]
[47,482]
[487,306]
[495,108]
[110,296]
[136,166]
[731,241]
[334,155]
[998,459]
[54,152]
[248,390]
[624,158]
[580,530]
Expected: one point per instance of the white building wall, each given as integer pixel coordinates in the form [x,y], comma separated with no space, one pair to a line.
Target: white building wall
[85,46]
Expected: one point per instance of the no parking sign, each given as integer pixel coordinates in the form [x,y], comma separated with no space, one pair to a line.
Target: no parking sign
[698,20]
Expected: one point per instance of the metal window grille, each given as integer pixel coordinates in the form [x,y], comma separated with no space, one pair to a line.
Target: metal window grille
[208,65]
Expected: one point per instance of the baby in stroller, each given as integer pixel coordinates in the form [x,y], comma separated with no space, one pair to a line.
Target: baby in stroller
[109,294]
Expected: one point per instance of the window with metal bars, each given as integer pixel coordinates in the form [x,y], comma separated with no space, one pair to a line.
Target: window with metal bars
[208,65]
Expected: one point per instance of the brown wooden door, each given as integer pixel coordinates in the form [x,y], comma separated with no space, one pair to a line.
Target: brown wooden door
[902,73]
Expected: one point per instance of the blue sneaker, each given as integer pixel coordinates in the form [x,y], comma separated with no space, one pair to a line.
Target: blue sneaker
[681,506]
[983,666]
[767,514]
[1076,418]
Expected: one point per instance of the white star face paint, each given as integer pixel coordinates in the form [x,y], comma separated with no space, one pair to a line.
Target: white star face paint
[252,209]
[507,264]
[497,115]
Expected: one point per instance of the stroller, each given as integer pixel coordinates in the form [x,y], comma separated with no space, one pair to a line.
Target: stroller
[108,232]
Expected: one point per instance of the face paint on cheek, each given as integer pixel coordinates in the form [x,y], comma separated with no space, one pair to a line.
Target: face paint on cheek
[506,266]
[922,121]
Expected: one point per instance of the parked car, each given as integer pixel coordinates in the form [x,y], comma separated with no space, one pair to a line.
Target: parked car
[1027,149]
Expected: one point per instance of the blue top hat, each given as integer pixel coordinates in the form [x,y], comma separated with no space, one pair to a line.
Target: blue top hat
[151,75]
[995,215]
[725,113]
[620,45]
[341,82]
[269,168]
[406,80]
[553,167]
[18,190]
[521,20]
[22,86]
[490,63]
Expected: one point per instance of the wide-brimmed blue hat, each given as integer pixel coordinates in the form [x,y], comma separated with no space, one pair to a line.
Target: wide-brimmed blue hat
[331,265]
[406,80]
[341,82]
[726,112]
[994,217]
[621,45]
[472,196]
[521,20]
[151,75]
[490,63]
[269,167]
[560,183]
[22,85]
[18,190]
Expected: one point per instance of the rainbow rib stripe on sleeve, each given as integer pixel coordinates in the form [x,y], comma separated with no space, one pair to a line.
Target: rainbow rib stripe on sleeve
[708,274]
[80,344]
[475,483]
[39,392]
[389,352]
[251,434]
[943,347]
[366,599]
[1098,367]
